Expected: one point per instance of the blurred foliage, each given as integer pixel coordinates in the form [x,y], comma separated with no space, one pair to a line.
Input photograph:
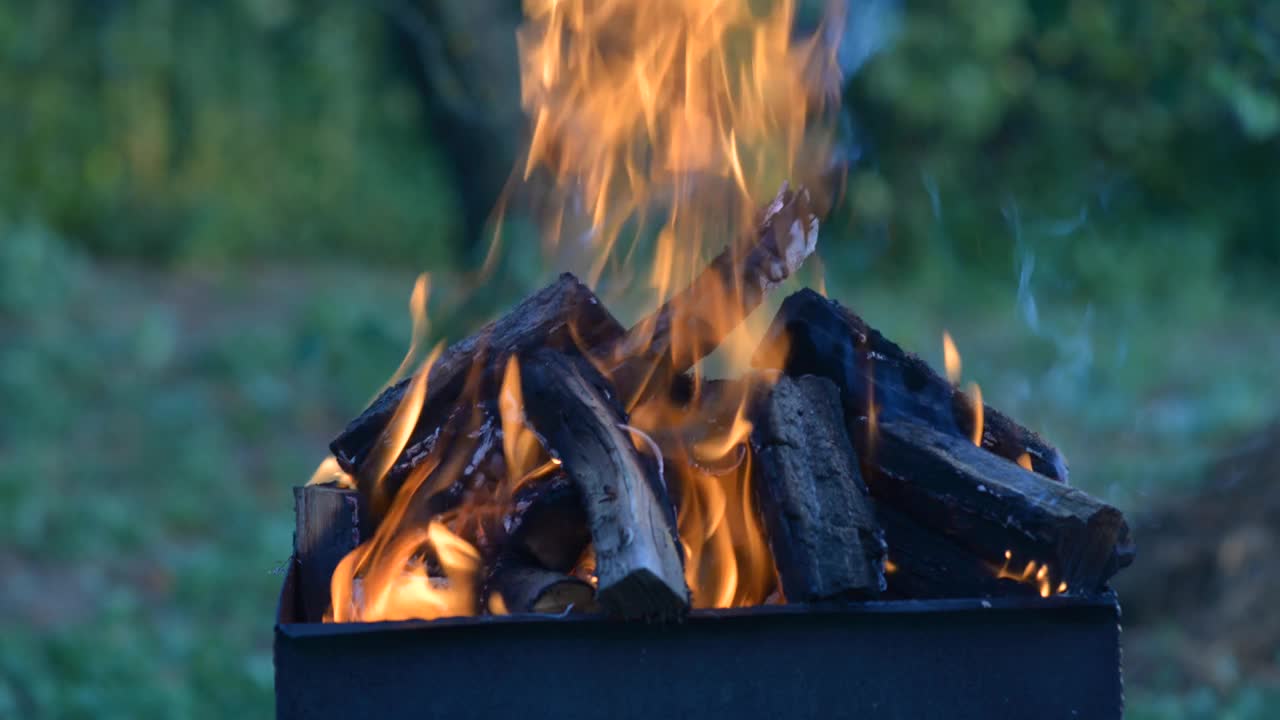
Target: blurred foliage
[1163,113]
[183,131]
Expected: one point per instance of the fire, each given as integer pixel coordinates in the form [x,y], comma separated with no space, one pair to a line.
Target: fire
[1033,573]
[694,111]
[952,362]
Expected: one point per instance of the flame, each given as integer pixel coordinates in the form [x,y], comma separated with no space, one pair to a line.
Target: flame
[1024,461]
[520,446]
[952,362]
[950,357]
[330,472]
[399,586]
[1033,573]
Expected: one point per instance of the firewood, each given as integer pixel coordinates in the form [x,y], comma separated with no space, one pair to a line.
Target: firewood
[526,588]
[327,527]
[639,559]
[690,325]
[925,564]
[821,521]
[812,335]
[989,506]
[564,315]
[548,524]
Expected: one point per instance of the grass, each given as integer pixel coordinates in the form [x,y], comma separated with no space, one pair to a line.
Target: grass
[158,420]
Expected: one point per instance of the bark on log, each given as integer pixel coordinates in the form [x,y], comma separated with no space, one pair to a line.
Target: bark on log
[564,315]
[812,335]
[327,527]
[527,588]
[639,560]
[923,564]
[989,506]
[821,521]
[690,325]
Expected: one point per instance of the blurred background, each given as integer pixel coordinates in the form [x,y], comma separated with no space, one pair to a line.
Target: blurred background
[211,216]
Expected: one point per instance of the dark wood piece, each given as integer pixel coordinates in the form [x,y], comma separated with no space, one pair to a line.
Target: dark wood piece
[821,521]
[812,335]
[988,505]
[529,589]
[564,315]
[548,524]
[639,559]
[327,527]
[690,325]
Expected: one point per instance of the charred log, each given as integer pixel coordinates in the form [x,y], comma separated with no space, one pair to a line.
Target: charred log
[989,507]
[548,524]
[815,336]
[821,521]
[525,588]
[638,554]
[689,326]
[564,315]
[327,527]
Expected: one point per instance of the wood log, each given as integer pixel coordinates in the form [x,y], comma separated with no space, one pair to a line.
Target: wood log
[821,521]
[989,506]
[690,325]
[639,560]
[812,335]
[525,588]
[925,564]
[564,315]
[327,527]
[548,524]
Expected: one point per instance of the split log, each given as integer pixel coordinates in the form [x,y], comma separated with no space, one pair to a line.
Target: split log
[564,315]
[530,589]
[821,521]
[989,506]
[639,560]
[812,335]
[690,325]
[327,527]
[548,524]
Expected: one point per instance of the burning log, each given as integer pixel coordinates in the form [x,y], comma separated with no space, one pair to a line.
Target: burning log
[689,326]
[564,315]
[996,510]
[822,525]
[924,564]
[812,335]
[529,589]
[327,527]
[549,524]
[638,555]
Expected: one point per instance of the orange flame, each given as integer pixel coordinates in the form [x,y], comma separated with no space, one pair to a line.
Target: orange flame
[1033,573]
[951,360]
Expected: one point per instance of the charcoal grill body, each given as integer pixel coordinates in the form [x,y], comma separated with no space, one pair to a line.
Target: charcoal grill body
[1001,658]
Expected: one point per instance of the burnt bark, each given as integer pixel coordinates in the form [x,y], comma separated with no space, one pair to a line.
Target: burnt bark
[564,315]
[690,325]
[526,588]
[821,520]
[548,524]
[989,506]
[639,559]
[327,527]
[812,335]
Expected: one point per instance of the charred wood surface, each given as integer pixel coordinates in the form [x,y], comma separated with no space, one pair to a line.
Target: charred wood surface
[527,588]
[564,315]
[923,563]
[548,524]
[690,325]
[327,527]
[989,506]
[821,521]
[812,335]
[639,559]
